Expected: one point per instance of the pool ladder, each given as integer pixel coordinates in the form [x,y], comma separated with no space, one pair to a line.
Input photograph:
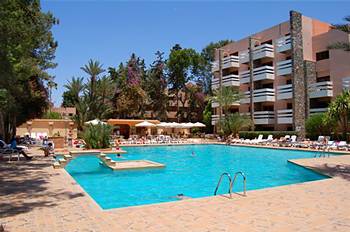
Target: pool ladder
[232,182]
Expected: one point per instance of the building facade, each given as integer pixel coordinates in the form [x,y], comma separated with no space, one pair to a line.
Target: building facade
[287,69]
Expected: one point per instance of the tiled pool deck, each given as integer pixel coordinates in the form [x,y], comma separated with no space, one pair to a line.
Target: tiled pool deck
[36,197]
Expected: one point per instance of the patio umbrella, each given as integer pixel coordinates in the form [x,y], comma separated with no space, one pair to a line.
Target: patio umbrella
[95,122]
[145,124]
[163,124]
[199,124]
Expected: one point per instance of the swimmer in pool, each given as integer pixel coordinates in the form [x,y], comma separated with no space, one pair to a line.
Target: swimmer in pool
[193,154]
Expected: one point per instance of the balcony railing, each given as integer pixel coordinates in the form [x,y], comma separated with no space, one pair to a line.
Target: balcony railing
[318,110]
[283,44]
[285,116]
[321,89]
[260,95]
[262,117]
[262,73]
[215,118]
[262,51]
[284,92]
[215,104]
[227,62]
[284,68]
[229,80]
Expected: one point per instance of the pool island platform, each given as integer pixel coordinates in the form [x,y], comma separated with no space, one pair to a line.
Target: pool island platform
[128,164]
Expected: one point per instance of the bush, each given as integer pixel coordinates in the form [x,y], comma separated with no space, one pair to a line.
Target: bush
[255,134]
[52,115]
[97,136]
[319,124]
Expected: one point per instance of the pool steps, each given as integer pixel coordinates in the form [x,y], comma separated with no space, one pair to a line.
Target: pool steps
[62,162]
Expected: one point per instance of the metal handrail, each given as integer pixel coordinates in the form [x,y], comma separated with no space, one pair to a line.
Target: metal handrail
[219,182]
[244,182]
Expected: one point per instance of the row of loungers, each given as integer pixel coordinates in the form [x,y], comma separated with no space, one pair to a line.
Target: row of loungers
[291,141]
[155,140]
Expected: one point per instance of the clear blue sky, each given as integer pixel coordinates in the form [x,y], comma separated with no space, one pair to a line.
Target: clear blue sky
[110,31]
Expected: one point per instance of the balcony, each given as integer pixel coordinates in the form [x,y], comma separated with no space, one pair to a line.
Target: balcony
[285,116]
[215,119]
[321,89]
[318,110]
[261,73]
[284,92]
[215,104]
[229,80]
[262,117]
[227,62]
[260,95]
[262,51]
[284,68]
[283,44]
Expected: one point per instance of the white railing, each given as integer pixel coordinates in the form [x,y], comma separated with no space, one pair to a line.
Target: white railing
[262,51]
[260,95]
[262,73]
[215,118]
[229,80]
[227,62]
[318,110]
[346,83]
[284,67]
[283,44]
[321,89]
[284,92]
[215,104]
[262,117]
[285,116]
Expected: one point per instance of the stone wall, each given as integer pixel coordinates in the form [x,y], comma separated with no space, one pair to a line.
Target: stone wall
[298,73]
[310,78]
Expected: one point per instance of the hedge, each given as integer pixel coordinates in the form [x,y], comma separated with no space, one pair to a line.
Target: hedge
[255,134]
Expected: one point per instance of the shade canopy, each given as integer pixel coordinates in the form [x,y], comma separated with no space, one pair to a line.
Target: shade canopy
[199,124]
[145,124]
[95,122]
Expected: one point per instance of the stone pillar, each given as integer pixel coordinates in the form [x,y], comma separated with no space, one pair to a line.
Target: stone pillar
[298,74]
[310,78]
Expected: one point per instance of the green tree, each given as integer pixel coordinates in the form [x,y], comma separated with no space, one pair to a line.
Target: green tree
[207,113]
[226,97]
[345,27]
[27,50]
[97,136]
[339,110]
[319,124]
[156,87]
[93,69]
[52,115]
[74,89]
[183,66]
[233,123]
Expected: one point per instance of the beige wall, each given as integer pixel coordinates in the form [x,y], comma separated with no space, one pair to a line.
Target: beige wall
[65,128]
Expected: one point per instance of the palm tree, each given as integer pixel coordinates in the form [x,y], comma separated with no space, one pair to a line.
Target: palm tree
[75,87]
[93,68]
[345,28]
[339,109]
[233,123]
[226,97]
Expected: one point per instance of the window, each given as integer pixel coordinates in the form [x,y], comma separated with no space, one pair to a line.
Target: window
[289,106]
[322,55]
[324,78]
[289,82]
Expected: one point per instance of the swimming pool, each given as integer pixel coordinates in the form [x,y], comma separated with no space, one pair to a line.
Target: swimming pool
[193,176]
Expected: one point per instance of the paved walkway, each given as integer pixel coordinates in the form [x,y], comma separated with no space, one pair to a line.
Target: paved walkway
[35,197]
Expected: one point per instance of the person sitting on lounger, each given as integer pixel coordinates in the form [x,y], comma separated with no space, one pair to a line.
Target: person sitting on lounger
[19,149]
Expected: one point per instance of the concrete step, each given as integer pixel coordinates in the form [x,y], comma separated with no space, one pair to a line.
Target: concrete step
[56,165]
[68,157]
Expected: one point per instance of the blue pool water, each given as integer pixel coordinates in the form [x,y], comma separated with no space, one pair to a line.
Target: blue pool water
[184,174]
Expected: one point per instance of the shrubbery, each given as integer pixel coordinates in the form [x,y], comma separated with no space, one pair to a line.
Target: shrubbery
[97,136]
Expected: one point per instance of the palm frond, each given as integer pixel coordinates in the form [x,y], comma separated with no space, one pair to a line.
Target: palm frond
[340,45]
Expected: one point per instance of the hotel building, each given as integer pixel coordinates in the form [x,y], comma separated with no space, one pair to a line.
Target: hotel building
[287,69]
